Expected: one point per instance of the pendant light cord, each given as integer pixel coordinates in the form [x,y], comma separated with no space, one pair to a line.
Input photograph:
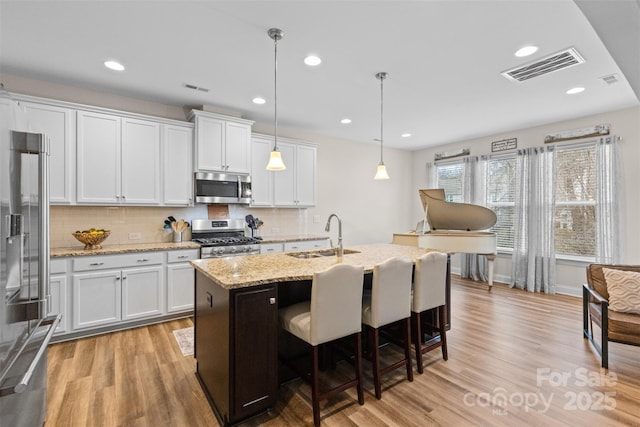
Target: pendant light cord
[275,93]
[382,76]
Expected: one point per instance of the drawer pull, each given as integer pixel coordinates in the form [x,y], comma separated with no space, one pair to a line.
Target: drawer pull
[183,256]
[143,260]
[96,263]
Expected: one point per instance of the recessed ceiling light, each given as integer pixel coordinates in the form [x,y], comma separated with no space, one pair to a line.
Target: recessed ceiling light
[312,60]
[114,65]
[258,100]
[345,121]
[526,51]
[406,135]
[575,90]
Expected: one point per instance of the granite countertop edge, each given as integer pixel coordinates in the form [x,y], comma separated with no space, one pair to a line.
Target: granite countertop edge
[256,270]
[122,249]
[291,238]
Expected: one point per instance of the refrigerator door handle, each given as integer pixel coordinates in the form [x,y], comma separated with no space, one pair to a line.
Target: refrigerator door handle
[24,382]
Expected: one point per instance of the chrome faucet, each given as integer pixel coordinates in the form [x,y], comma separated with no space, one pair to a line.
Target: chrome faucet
[340,251]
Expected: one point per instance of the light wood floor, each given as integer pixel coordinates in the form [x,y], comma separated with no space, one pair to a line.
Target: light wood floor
[515,359]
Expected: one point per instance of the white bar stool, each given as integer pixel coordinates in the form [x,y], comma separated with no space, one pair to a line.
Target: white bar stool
[334,312]
[388,302]
[429,291]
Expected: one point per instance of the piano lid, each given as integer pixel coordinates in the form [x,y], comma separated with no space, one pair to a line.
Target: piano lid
[443,215]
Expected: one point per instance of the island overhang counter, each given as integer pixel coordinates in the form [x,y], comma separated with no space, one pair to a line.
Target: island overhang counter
[236,321]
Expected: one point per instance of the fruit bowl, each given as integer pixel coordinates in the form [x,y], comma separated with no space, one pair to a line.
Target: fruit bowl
[92,239]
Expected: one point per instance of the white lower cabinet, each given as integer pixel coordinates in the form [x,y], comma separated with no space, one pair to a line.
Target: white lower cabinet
[142,292]
[110,289]
[96,298]
[58,294]
[180,280]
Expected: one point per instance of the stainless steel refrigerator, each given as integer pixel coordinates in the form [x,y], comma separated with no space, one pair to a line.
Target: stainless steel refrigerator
[25,329]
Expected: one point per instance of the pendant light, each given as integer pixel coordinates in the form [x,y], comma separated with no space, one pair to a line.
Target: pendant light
[381,172]
[275,159]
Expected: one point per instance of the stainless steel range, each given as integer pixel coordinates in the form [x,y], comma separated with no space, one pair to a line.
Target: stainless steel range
[222,238]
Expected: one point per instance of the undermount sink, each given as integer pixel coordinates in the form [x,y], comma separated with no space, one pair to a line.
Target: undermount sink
[320,254]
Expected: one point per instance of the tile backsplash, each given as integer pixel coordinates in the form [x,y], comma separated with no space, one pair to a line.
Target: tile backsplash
[148,222]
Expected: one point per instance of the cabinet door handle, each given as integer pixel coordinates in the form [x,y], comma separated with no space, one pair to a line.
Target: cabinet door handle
[117,278]
[96,263]
[124,277]
[272,301]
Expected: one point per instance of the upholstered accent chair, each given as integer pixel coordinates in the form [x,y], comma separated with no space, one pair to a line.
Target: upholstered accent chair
[611,301]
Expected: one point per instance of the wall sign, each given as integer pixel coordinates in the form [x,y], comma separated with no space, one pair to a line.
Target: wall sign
[505,144]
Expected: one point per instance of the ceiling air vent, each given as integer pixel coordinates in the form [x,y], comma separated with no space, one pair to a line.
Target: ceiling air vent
[610,79]
[194,87]
[557,61]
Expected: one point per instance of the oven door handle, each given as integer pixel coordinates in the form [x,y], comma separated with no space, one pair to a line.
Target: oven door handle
[239,188]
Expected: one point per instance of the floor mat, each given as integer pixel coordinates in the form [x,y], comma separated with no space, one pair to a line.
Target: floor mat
[184,337]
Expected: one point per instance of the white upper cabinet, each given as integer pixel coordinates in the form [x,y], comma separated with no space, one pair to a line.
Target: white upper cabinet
[140,162]
[118,160]
[305,175]
[284,192]
[58,124]
[223,143]
[261,178]
[106,157]
[98,158]
[177,143]
[293,187]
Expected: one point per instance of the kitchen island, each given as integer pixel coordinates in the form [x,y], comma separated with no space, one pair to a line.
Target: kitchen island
[236,320]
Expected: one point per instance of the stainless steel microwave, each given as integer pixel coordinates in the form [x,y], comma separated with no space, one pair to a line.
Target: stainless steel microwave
[211,187]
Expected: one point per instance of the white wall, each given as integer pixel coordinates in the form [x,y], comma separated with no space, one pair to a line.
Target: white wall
[624,123]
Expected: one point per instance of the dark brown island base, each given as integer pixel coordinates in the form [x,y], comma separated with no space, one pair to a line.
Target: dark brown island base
[236,320]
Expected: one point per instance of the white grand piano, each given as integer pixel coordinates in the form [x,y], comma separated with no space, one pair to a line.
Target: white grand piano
[454,228]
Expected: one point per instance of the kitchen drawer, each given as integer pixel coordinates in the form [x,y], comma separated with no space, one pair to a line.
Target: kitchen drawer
[58,266]
[183,255]
[270,248]
[306,245]
[102,262]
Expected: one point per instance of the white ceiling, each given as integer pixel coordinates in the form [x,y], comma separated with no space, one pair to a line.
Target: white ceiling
[444,60]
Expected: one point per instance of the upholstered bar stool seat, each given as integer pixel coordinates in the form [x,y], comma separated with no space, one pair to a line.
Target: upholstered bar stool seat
[388,302]
[429,292]
[334,312]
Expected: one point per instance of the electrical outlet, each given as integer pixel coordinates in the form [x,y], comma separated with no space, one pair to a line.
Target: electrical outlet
[135,236]
[316,219]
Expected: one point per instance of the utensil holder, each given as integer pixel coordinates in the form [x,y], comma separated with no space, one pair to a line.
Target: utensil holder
[177,237]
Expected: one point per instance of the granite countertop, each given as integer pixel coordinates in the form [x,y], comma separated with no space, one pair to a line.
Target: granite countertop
[240,272]
[122,249]
[291,238]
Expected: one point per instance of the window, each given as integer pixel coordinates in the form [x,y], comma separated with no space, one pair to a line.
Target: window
[450,177]
[575,217]
[501,190]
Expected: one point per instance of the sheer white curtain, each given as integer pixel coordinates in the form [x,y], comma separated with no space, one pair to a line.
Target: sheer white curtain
[474,187]
[533,260]
[608,226]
